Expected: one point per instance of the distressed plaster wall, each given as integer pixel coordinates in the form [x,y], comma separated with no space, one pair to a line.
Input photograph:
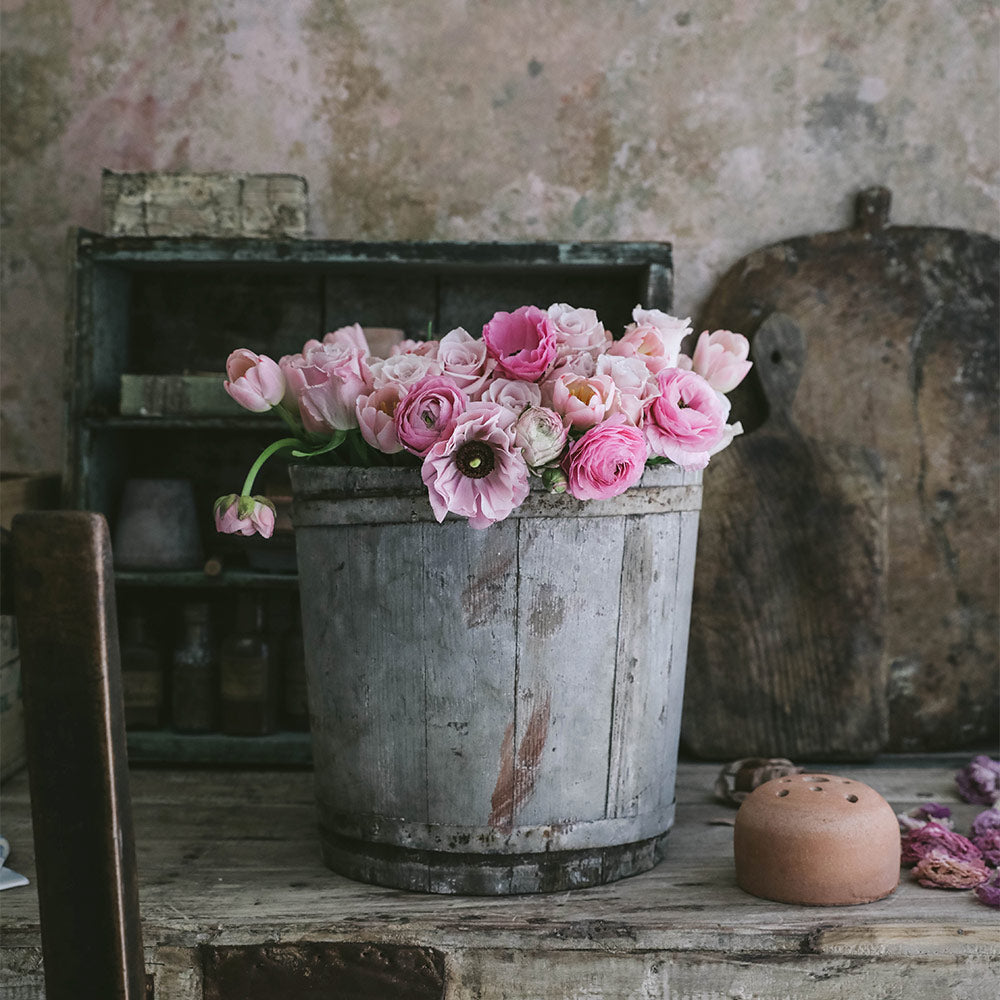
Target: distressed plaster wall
[721,125]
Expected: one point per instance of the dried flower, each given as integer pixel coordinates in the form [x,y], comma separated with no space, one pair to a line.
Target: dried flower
[931,838]
[988,819]
[940,870]
[989,846]
[923,814]
[740,777]
[979,781]
[989,892]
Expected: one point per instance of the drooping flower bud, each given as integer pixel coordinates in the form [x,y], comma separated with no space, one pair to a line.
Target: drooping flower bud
[244,515]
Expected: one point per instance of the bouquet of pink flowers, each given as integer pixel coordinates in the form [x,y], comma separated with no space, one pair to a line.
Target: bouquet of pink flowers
[547,393]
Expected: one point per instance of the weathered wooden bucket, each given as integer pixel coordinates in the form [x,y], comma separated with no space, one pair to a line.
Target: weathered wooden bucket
[494,711]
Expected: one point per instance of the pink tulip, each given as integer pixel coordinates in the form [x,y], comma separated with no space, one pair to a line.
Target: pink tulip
[687,420]
[428,412]
[606,461]
[522,342]
[721,359]
[255,381]
[243,515]
[375,417]
[477,472]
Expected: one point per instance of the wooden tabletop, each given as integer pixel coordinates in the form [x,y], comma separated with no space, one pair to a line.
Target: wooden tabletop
[230,871]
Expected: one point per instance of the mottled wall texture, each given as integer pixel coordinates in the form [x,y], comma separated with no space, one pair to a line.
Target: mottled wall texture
[721,125]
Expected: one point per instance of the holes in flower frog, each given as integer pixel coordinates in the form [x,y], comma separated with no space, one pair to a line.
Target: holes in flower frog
[782,793]
[851,798]
[775,357]
[819,779]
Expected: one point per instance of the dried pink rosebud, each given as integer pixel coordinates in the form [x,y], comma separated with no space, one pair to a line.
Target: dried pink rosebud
[923,814]
[989,892]
[939,870]
[740,777]
[988,819]
[919,844]
[979,781]
[989,846]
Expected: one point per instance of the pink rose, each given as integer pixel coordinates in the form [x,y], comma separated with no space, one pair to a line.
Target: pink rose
[477,472]
[581,402]
[512,393]
[721,359]
[464,359]
[375,417]
[242,515]
[635,384]
[653,336]
[540,434]
[606,461]
[424,348]
[428,412]
[686,421]
[349,336]
[403,369]
[326,380]
[576,331]
[255,381]
[521,342]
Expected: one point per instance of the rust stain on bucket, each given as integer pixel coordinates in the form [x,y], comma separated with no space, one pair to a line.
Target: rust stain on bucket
[516,780]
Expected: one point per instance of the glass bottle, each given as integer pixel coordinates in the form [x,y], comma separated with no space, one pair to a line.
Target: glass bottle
[194,674]
[248,685]
[143,673]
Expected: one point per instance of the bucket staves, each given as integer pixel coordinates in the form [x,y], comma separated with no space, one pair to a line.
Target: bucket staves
[495,711]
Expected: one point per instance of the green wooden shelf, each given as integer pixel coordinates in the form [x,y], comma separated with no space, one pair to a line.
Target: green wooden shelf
[167,747]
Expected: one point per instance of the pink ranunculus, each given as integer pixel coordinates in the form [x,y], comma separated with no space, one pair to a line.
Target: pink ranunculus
[326,380]
[465,360]
[540,434]
[403,369]
[375,417]
[352,336]
[477,472]
[521,342]
[512,393]
[720,358]
[654,336]
[606,461]
[255,381]
[581,402]
[576,331]
[687,420]
[243,515]
[636,385]
[428,412]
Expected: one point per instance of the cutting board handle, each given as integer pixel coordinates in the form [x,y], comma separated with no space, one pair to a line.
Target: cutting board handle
[871,210]
[779,353]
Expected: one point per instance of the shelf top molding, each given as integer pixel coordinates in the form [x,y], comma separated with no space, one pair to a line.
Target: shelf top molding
[139,250]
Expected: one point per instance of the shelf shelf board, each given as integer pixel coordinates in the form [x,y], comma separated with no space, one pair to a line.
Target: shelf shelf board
[197,578]
[167,747]
[156,423]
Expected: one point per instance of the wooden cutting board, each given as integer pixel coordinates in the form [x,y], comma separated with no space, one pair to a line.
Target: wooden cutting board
[901,357]
[786,649]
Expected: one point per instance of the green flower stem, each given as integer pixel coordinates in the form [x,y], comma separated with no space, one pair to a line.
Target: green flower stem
[263,457]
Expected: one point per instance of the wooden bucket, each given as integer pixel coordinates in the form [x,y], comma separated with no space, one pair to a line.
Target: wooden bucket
[494,711]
